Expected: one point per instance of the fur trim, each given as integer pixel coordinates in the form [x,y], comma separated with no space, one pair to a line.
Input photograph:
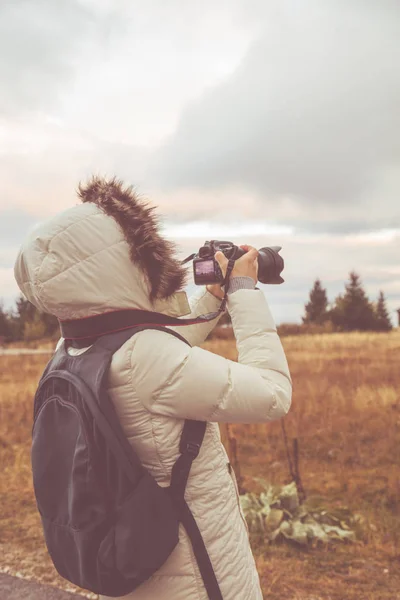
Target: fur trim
[139,224]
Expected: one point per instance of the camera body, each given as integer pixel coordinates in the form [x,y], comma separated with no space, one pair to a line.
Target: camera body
[206,270]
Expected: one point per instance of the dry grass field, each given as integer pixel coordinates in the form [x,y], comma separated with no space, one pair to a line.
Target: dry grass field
[346,418]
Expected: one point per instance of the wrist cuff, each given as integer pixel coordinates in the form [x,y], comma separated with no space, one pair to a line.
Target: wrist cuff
[240,283]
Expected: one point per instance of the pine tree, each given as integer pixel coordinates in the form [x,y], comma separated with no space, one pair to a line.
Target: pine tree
[25,313]
[28,321]
[5,329]
[354,311]
[51,325]
[316,308]
[25,309]
[34,329]
[336,313]
[383,322]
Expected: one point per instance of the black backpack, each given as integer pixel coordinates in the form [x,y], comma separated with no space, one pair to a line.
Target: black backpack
[108,525]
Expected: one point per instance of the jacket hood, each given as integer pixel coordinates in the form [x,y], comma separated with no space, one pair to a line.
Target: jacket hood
[104,254]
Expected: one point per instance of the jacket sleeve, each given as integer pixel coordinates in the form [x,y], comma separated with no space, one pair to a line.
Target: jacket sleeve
[201,303]
[174,380]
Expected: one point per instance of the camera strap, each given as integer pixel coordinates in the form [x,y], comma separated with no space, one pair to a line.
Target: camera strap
[188,258]
[231,263]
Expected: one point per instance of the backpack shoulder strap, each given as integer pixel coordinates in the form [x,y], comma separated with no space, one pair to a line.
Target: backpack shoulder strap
[191,440]
[193,431]
[189,447]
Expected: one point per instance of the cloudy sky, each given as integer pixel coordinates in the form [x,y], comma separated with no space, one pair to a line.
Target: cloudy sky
[261,121]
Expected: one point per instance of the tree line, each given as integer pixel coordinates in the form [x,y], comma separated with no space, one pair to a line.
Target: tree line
[350,311]
[25,322]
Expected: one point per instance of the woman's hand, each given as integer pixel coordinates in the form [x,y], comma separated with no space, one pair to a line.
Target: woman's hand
[216,290]
[245,266]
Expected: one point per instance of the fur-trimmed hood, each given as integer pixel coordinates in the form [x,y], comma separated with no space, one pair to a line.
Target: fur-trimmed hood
[104,254]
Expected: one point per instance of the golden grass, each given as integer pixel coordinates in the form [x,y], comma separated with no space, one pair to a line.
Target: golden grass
[346,417]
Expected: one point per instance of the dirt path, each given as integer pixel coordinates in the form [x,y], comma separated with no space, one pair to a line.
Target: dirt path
[15,588]
[21,351]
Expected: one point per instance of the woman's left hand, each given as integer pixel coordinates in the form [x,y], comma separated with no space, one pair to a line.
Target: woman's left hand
[216,290]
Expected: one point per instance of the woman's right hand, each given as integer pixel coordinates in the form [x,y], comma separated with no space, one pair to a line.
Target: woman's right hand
[245,266]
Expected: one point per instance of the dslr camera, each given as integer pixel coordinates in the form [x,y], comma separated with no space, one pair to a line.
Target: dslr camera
[207,271]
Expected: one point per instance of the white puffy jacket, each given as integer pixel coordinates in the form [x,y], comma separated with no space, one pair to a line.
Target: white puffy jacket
[77,264]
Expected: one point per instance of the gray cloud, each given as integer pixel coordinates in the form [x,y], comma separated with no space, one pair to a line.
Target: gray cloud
[303,133]
[312,114]
[13,226]
[39,44]
[43,181]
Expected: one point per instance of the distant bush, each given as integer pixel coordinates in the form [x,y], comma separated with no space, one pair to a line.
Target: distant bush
[286,329]
[225,332]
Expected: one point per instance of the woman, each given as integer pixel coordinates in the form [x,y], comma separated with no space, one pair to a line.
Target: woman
[107,254]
